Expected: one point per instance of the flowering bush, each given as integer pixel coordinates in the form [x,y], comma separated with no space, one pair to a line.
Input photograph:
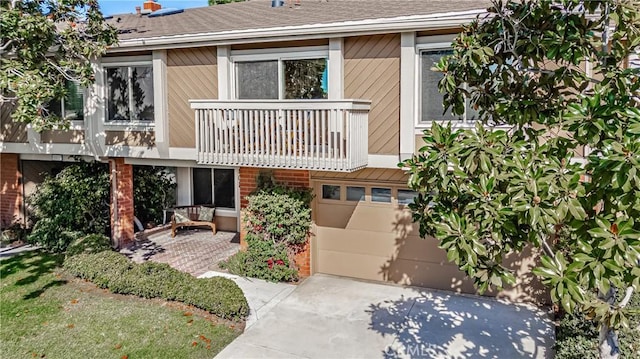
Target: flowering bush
[277,221]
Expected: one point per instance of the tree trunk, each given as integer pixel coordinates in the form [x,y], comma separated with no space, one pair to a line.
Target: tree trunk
[608,343]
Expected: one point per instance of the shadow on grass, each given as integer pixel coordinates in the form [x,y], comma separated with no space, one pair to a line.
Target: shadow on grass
[34,264]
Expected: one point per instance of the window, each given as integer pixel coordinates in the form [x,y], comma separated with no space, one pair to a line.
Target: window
[406,196]
[258,80]
[355,193]
[71,107]
[431,108]
[381,195]
[130,93]
[214,186]
[282,79]
[330,192]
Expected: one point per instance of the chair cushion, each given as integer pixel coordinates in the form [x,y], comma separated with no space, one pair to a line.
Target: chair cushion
[206,214]
[181,215]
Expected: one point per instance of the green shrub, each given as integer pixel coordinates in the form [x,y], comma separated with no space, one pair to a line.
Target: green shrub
[577,337]
[278,218]
[104,269]
[93,243]
[153,191]
[263,260]
[108,269]
[73,203]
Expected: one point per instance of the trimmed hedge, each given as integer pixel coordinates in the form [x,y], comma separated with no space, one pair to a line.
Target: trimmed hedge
[92,243]
[111,270]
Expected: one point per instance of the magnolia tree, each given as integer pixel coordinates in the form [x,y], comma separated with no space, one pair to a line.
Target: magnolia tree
[44,44]
[554,160]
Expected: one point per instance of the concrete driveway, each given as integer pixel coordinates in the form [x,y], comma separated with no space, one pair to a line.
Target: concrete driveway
[332,317]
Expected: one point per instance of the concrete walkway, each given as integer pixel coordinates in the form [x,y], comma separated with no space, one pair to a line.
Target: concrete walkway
[262,296]
[331,317]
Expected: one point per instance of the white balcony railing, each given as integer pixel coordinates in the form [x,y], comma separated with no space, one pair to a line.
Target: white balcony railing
[322,135]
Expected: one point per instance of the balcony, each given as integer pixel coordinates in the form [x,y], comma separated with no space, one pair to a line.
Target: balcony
[322,135]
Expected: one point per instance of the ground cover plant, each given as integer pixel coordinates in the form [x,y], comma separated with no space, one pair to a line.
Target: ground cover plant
[47,314]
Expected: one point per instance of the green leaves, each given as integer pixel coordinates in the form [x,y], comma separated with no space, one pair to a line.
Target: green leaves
[564,176]
[43,44]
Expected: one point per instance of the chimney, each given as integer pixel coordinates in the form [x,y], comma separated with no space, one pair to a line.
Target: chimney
[151,5]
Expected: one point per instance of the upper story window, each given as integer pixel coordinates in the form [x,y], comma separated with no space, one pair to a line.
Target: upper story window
[281,76]
[71,107]
[129,93]
[431,108]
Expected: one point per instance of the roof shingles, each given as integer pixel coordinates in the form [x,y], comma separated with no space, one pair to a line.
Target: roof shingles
[258,14]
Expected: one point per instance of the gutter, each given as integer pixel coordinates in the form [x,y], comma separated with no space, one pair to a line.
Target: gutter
[359,27]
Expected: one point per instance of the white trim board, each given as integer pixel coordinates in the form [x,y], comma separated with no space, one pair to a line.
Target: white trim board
[383,161]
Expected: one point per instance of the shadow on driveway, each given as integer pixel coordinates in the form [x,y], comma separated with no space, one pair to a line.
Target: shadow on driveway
[441,325]
[334,317]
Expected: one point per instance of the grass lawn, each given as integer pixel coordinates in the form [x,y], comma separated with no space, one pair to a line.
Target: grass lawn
[45,314]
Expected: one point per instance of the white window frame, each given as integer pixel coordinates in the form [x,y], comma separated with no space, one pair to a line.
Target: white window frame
[368,197]
[77,124]
[425,44]
[280,55]
[132,61]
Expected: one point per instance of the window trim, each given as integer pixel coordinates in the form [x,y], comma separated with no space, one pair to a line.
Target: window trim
[425,44]
[136,125]
[76,124]
[276,54]
[367,201]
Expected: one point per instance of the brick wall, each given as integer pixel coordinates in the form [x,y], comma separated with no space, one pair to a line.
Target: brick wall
[10,188]
[291,178]
[122,201]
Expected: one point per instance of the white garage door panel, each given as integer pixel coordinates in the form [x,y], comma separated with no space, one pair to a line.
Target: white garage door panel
[379,244]
[406,272]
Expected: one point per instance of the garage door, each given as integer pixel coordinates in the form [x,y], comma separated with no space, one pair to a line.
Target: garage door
[365,230]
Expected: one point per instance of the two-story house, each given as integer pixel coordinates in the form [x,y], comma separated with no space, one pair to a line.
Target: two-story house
[330,95]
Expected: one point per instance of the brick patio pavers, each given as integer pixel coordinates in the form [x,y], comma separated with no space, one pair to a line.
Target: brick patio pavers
[194,251]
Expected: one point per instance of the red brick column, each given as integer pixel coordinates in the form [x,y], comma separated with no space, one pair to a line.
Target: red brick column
[291,178]
[121,202]
[10,189]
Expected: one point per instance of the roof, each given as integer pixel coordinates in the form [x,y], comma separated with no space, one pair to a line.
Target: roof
[258,14]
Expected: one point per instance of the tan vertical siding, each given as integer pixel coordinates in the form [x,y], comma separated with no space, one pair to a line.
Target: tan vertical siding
[56,136]
[11,131]
[191,74]
[367,174]
[130,138]
[372,72]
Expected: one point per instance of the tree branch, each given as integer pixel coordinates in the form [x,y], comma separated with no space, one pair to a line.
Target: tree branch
[627,297]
